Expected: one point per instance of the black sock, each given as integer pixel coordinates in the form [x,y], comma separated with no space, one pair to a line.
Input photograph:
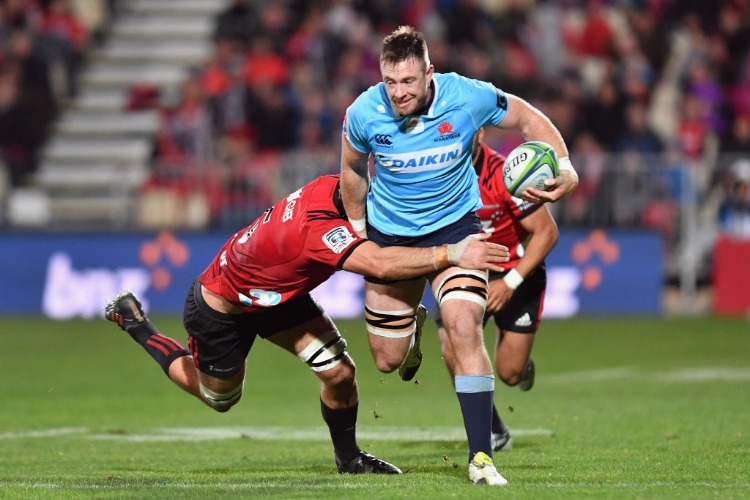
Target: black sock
[475,407]
[163,349]
[342,424]
[498,426]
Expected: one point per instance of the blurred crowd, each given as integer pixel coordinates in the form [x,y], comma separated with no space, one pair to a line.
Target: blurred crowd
[633,85]
[43,44]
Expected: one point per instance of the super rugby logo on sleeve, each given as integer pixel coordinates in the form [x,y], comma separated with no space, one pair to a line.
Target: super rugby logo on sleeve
[338,239]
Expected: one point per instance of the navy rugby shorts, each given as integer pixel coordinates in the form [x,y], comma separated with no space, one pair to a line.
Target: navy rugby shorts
[453,233]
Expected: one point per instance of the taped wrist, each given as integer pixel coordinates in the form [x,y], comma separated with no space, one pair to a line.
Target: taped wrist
[359,225]
[456,250]
[564,165]
[513,279]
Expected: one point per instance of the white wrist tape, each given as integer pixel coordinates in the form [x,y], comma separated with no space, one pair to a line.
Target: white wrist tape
[358,225]
[513,279]
[564,164]
[456,250]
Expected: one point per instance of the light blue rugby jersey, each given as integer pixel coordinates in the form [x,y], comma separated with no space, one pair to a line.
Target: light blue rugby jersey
[424,179]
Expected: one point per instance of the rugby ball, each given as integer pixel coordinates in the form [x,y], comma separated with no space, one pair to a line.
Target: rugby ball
[529,165]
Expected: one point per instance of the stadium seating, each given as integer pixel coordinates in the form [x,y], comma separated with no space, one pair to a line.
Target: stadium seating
[100,152]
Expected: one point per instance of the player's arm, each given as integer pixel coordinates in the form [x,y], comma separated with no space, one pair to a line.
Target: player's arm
[355,181]
[535,126]
[472,252]
[543,236]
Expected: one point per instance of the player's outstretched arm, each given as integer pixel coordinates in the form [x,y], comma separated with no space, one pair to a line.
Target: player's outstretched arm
[472,252]
[544,236]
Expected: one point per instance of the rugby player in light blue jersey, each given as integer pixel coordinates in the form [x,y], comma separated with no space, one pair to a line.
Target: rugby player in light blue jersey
[418,127]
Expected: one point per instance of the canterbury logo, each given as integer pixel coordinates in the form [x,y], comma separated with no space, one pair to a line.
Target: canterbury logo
[383,139]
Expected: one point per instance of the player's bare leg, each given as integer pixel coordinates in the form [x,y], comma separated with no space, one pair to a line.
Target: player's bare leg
[391,317]
[317,343]
[413,359]
[512,357]
[127,312]
[324,351]
[501,438]
[514,366]
[174,359]
[465,335]
[462,295]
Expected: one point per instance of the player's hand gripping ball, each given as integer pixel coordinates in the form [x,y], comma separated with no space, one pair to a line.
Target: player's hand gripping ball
[528,166]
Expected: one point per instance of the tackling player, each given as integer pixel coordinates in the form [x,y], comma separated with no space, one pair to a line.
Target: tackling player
[418,125]
[515,296]
[259,284]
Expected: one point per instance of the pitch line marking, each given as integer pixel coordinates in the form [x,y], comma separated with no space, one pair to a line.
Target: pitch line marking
[705,374]
[678,375]
[269,434]
[62,431]
[284,485]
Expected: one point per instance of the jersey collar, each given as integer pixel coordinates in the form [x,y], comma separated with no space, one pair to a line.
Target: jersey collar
[434,98]
[430,107]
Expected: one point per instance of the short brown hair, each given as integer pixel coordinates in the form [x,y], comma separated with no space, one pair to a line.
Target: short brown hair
[404,43]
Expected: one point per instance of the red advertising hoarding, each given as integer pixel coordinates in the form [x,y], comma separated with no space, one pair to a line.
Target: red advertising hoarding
[732,276]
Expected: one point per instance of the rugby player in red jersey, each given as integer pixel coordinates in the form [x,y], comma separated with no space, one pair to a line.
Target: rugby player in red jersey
[516,295]
[259,284]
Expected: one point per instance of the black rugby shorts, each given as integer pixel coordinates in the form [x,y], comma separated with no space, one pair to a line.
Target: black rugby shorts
[220,342]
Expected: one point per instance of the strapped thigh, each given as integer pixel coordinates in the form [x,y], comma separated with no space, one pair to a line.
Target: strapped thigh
[324,352]
[463,284]
[391,324]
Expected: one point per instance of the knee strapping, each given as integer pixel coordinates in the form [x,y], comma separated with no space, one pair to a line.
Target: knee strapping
[464,285]
[325,352]
[391,324]
[219,400]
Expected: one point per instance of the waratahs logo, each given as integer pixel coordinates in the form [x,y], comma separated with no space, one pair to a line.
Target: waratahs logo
[445,129]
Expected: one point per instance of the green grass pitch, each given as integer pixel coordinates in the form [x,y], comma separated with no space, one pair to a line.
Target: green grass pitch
[622,408]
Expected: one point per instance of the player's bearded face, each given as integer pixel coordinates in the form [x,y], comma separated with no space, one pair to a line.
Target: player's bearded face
[407,84]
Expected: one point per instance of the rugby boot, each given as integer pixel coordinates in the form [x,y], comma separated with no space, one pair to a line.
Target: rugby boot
[413,359]
[502,441]
[364,463]
[527,379]
[125,310]
[482,471]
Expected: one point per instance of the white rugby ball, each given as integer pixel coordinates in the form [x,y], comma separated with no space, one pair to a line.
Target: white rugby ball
[529,165]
